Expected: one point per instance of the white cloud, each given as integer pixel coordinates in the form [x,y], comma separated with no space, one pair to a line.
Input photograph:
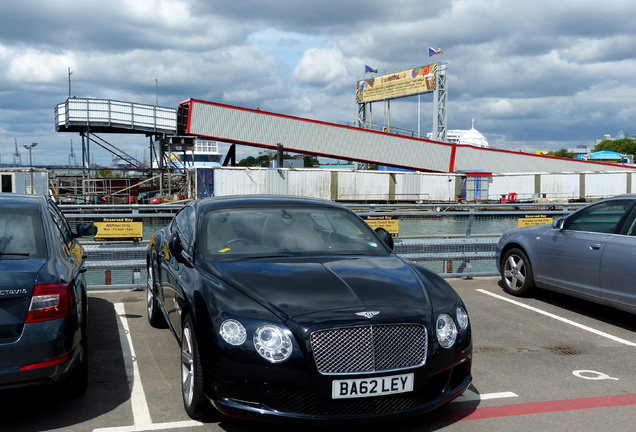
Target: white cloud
[539,73]
[501,106]
[33,66]
[321,67]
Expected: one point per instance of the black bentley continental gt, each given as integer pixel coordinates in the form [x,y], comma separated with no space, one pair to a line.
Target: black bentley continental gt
[290,308]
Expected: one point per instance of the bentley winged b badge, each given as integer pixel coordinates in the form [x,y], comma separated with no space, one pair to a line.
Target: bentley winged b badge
[367,314]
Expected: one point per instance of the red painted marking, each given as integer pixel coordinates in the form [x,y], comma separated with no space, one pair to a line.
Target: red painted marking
[534,408]
[453,157]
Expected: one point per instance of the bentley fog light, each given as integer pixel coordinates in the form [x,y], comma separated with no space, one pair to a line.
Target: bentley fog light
[272,343]
[462,318]
[446,330]
[233,332]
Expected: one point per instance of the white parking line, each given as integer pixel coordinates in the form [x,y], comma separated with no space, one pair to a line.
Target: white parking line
[470,395]
[150,427]
[556,317]
[141,413]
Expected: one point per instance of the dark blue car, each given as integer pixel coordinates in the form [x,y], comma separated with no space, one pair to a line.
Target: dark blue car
[42,296]
[294,309]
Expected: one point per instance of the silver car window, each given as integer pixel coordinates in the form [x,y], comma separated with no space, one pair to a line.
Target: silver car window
[603,217]
[630,224]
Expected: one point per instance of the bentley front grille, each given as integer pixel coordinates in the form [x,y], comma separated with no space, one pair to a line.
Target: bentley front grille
[372,348]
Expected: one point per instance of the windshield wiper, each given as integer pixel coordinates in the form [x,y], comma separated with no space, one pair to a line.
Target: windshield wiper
[278,255]
[14,254]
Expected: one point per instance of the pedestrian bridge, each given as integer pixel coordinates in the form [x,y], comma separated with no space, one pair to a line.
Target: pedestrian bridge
[254,127]
[257,128]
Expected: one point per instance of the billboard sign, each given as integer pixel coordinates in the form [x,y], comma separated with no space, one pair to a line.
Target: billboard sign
[396,85]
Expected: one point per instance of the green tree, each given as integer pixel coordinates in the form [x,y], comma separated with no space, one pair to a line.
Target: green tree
[563,153]
[624,146]
[251,161]
[265,159]
[310,162]
[105,172]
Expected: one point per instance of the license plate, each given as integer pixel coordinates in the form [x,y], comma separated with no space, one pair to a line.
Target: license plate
[366,387]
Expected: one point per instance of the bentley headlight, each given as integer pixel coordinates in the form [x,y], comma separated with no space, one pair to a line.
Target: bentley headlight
[233,332]
[446,330]
[272,343]
[462,318]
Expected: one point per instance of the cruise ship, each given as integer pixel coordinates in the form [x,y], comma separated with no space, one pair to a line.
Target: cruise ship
[465,136]
[205,154]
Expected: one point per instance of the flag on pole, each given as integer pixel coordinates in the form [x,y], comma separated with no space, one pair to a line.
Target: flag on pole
[369,69]
[434,51]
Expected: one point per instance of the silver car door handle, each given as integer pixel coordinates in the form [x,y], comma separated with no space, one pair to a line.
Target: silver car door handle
[595,246]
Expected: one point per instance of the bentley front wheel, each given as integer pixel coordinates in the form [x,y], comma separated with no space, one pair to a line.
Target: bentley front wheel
[194,401]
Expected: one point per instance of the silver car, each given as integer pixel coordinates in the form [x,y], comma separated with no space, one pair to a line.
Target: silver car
[590,254]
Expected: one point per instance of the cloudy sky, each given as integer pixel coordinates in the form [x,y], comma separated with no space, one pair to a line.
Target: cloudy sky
[538,75]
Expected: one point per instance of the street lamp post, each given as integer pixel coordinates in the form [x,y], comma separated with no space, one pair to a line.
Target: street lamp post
[30,149]
[156,92]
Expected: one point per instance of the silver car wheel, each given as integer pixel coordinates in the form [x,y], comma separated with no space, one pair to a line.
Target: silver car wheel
[150,295]
[516,273]
[195,402]
[187,367]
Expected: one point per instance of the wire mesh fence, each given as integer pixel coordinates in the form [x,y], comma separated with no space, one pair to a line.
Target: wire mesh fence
[455,240]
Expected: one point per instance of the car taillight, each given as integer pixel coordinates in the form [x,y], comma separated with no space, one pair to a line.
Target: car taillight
[49,302]
[46,363]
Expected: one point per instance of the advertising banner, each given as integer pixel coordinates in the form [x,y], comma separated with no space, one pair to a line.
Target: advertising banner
[400,84]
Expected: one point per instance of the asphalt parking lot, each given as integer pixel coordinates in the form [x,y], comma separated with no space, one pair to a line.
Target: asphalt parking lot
[546,363]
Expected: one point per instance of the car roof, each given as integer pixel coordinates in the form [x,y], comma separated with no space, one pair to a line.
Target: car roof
[236,201]
[627,195]
[22,199]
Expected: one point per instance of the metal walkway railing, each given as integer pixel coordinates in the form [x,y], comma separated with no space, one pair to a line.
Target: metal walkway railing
[454,240]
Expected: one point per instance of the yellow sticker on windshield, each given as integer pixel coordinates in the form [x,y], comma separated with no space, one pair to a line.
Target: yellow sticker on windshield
[225,250]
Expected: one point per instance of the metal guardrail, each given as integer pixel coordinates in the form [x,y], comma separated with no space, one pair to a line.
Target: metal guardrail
[109,264]
[115,256]
[116,264]
[447,249]
[454,240]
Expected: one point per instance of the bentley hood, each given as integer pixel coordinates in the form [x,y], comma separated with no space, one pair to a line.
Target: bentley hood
[302,286]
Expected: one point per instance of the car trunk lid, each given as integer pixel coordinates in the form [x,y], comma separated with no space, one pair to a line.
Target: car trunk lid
[17,279]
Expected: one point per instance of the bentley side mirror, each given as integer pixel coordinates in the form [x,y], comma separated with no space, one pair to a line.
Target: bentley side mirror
[175,245]
[85,230]
[385,236]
